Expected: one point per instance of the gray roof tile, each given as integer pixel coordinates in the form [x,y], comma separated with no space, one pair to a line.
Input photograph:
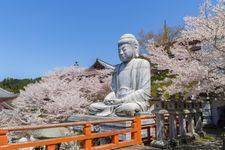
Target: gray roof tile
[6,94]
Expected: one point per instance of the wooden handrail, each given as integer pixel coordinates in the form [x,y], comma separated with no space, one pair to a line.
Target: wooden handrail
[54,141]
[87,136]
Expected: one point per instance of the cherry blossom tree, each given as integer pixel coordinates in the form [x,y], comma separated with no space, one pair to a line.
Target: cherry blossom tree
[196,71]
[188,71]
[59,94]
[209,28]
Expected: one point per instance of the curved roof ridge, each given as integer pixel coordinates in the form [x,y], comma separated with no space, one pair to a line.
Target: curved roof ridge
[6,94]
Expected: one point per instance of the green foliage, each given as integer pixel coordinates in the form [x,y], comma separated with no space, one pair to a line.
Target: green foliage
[158,81]
[179,96]
[15,85]
[187,88]
[191,84]
[161,85]
[161,75]
[207,138]
[166,95]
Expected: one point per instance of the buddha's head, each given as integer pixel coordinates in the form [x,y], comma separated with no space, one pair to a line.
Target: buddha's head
[128,47]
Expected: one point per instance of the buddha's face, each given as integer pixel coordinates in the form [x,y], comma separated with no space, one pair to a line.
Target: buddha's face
[126,52]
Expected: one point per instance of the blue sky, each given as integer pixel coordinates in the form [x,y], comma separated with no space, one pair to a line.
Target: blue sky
[37,36]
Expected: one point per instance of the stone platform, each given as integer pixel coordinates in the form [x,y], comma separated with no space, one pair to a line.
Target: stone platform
[109,126]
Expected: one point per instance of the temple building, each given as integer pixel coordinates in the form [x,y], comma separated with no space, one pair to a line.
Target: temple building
[5,99]
[100,64]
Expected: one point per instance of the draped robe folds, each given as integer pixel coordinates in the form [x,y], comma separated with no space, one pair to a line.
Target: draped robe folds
[131,84]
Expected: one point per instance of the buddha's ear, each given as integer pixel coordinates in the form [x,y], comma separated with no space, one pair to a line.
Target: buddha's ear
[136,53]
[136,49]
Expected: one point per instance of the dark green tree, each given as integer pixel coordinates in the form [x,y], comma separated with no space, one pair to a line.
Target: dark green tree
[15,85]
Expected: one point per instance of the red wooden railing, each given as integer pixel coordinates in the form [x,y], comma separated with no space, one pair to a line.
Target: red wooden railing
[86,137]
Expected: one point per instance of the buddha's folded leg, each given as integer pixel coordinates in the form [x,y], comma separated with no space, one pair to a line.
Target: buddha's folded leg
[127,109]
[100,109]
[95,108]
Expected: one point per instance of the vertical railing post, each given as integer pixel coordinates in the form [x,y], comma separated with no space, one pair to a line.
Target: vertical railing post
[134,126]
[3,137]
[115,139]
[138,127]
[51,147]
[87,133]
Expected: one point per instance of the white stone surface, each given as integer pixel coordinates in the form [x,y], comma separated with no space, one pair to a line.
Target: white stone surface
[130,83]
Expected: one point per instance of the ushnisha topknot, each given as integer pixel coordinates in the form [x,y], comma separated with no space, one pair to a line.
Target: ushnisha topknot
[131,39]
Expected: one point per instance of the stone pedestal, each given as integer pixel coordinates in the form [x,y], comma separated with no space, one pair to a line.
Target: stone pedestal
[198,118]
[189,106]
[182,125]
[191,129]
[172,125]
[160,136]
[206,113]
[182,120]
[160,127]
[172,119]
[199,124]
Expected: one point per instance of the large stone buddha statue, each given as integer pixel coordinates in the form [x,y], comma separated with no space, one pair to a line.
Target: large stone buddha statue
[130,83]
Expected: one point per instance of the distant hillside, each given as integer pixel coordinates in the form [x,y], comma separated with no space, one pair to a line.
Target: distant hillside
[15,85]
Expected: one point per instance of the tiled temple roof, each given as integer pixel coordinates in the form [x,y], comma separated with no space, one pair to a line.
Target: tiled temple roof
[100,64]
[6,94]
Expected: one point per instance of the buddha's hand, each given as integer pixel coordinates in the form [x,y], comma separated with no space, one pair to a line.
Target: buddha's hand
[112,101]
